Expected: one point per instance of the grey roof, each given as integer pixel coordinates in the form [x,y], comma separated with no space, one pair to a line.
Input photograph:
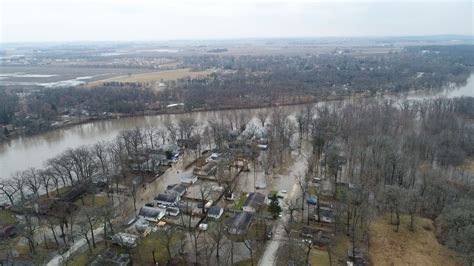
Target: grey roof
[176,188]
[188,177]
[239,223]
[171,198]
[254,200]
[149,212]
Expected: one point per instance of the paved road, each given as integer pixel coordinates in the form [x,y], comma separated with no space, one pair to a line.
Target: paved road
[57,260]
[269,255]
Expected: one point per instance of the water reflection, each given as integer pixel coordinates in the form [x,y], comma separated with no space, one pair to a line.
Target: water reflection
[24,152]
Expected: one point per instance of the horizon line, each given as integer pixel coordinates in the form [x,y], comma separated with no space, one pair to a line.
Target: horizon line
[445,35]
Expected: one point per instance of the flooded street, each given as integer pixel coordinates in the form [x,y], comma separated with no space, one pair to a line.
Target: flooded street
[24,152]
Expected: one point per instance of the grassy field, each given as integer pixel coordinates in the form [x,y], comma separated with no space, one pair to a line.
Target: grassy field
[339,247]
[155,76]
[421,247]
[469,166]
[91,200]
[84,257]
[242,199]
[6,217]
[319,257]
[142,255]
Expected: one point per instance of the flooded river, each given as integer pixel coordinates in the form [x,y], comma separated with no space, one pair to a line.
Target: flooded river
[24,152]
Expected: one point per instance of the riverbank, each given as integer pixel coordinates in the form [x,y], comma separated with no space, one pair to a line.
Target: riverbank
[456,91]
[180,111]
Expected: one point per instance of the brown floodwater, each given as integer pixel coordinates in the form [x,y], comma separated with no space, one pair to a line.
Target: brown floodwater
[24,152]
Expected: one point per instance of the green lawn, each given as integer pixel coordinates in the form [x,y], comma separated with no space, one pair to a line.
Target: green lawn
[341,191]
[339,246]
[53,194]
[319,257]
[84,257]
[91,200]
[247,262]
[6,217]
[242,199]
[142,255]
[255,232]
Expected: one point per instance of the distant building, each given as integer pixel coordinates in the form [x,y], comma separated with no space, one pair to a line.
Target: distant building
[253,202]
[239,223]
[175,105]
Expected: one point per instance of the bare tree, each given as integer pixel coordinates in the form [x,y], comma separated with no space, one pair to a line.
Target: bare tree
[19,184]
[32,180]
[263,116]
[83,230]
[217,235]
[172,130]
[99,150]
[8,189]
[45,177]
[186,126]
[303,183]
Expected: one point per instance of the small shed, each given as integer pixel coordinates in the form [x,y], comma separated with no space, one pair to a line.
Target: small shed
[215,212]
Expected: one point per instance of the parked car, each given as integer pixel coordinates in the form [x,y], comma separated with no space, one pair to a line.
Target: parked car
[313,200]
[269,235]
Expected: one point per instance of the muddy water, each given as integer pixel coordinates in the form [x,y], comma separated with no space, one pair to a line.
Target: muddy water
[33,151]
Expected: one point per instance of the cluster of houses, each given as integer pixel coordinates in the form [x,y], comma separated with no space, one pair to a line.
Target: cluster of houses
[165,203]
[153,160]
[241,221]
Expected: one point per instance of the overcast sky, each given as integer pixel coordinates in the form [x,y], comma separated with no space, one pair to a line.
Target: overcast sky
[113,20]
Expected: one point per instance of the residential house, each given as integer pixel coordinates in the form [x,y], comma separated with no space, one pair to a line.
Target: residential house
[151,214]
[206,170]
[253,202]
[189,179]
[167,199]
[125,240]
[178,189]
[239,223]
